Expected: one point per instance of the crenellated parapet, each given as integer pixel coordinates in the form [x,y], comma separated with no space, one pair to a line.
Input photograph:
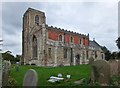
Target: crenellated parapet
[68,32]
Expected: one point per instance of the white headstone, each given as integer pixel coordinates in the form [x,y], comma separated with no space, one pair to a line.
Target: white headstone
[68,76]
[60,75]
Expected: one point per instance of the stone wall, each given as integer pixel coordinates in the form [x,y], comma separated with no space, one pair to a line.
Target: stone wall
[29,27]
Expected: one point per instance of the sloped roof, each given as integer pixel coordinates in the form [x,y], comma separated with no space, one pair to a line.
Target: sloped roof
[94,44]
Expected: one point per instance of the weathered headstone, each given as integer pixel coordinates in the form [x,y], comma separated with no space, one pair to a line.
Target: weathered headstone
[91,60]
[0,70]
[17,68]
[114,67]
[100,72]
[119,70]
[30,78]
[119,67]
[6,72]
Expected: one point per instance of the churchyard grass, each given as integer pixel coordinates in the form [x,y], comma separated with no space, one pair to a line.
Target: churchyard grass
[77,72]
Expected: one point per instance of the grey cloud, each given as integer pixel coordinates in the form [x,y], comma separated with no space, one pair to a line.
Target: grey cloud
[97,19]
[12,14]
[10,40]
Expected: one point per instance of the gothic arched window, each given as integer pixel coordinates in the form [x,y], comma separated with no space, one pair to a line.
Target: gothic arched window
[34,47]
[60,37]
[37,19]
[71,39]
[80,41]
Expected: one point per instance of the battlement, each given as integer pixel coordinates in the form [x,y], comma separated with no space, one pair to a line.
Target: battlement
[66,31]
[31,9]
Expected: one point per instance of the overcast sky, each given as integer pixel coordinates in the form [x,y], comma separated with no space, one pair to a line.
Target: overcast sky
[99,19]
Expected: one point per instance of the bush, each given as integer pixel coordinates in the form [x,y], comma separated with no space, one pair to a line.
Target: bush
[11,81]
[114,80]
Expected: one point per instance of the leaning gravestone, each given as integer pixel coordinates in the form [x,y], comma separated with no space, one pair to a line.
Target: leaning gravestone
[100,72]
[119,70]
[0,70]
[114,67]
[119,67]
[30,78]
[91,60]
[5,72]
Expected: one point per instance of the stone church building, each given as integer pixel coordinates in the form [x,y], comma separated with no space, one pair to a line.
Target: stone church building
[45,45]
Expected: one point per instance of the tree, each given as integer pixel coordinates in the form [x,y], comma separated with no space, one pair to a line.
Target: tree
[17,58]
[8,56]
[118,55]
[114,55]
[106,52]
[118,45]
[118,42]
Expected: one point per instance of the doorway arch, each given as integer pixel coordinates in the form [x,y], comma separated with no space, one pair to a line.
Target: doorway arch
[77,59]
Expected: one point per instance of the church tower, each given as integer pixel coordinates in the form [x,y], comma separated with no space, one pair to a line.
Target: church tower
[32,22]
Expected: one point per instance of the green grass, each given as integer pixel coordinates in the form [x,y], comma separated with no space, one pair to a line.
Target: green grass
[76,72]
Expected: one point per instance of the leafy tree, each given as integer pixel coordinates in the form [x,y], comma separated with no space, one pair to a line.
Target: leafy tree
[118,55]
[114,55]
[106,52]
[17,58]
[118,45]
[8,56]
[118,42]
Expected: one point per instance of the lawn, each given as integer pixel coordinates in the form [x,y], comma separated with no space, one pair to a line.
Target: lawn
[76,72]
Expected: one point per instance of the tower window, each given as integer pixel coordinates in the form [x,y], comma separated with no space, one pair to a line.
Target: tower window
[37,19]
[60,37]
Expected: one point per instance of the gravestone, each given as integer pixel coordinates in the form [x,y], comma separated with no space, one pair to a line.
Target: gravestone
[119,67]
[0,70]
[17,66]
[60,75]
[91,60]
[30,78]
[100,72]
[6,72]
[114,67]
[68,76]
[119,71]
